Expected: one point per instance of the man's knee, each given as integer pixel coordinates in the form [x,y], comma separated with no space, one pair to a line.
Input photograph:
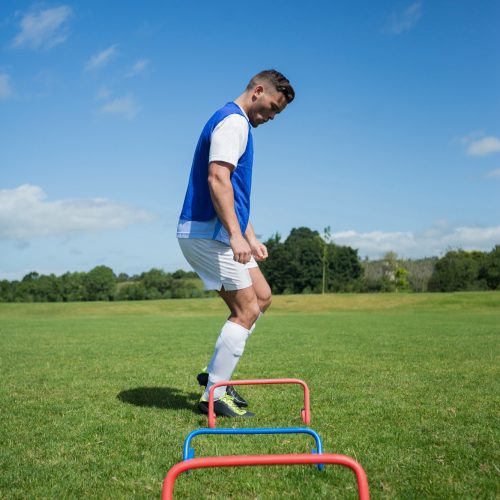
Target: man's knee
[244,306]
[265,301]
[249,314]
[252,313]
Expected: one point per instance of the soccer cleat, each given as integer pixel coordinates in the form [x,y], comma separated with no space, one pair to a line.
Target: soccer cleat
[202,378]
[225,407]
[238,399]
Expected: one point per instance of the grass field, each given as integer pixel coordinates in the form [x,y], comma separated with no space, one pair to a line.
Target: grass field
[96,398]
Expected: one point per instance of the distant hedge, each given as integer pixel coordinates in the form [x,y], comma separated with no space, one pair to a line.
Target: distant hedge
[102,284]
[461,270]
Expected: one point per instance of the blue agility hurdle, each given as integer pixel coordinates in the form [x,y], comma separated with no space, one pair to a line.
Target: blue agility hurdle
[189,452]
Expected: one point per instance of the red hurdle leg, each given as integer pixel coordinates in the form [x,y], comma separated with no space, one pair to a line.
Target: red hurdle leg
[242,460]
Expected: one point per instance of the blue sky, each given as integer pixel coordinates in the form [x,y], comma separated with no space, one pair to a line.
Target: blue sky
[393,139]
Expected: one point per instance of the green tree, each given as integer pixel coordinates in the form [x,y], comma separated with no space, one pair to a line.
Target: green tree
[490,270]
[48,289]
[157,283]
[457,270]
[180,273]
[307,262]
[401,279]
[100,284]
[73,287]
[279,268]
[305,248]
[26,290]
[132,291]
[344,269]
[122,278]
[7,291]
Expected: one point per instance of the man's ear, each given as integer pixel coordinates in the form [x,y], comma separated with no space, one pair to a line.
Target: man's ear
[259,89]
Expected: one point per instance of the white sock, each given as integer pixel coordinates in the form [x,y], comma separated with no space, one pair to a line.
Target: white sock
[228,350]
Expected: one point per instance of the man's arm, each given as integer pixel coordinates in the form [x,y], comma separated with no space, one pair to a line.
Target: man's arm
[259,250]
[221,191]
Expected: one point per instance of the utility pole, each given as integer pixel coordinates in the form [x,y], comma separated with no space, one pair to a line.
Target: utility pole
[327,236]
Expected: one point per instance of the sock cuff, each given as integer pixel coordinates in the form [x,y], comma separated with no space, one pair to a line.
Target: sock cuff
[235,327]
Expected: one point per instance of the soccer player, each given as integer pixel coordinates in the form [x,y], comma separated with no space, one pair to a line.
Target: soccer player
[214,231]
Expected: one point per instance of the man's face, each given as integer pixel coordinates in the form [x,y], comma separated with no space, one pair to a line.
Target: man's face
[266,104]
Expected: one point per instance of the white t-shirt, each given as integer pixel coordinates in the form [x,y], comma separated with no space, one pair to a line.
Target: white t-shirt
[229,139]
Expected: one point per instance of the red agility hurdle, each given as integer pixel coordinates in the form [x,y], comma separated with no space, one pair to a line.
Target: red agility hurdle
[306,411]
[238,461]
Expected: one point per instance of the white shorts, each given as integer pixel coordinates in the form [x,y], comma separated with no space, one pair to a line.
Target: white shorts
[213,262]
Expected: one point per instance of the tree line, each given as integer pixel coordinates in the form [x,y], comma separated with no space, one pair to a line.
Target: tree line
[309,262]
[305,262]
[101,283]
[461,270]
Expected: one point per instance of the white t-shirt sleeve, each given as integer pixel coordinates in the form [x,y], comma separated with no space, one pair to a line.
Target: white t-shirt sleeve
[229,140]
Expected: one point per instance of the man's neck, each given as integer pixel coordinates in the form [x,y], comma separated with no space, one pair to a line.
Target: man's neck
[242,102]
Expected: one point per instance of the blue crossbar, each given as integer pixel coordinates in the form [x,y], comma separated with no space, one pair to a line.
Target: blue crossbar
[190,453]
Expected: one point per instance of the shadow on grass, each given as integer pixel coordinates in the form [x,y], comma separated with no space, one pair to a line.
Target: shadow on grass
[159,397]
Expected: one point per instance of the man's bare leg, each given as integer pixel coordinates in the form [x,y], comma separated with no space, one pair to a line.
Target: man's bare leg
[245,306]
[261,288]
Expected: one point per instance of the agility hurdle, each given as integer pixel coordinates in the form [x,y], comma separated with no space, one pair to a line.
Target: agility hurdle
[189,452]
[242,460]
[305,413]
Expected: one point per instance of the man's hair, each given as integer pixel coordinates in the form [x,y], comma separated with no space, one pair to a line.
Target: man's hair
[277,80]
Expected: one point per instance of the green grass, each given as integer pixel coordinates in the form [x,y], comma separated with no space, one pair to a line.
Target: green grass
[96,398]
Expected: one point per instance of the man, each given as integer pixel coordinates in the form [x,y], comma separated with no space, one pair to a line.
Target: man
[214,231]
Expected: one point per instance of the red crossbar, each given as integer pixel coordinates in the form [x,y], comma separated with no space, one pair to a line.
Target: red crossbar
[306,412]
[242,460]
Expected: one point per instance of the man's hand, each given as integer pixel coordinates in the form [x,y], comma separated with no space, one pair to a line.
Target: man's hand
[241,249]
[259,250]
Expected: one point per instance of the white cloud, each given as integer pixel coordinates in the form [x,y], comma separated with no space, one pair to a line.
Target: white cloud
[494,173]
[138,67]
[5,87]
[404,19]
[430,242]
[483,147]
[25,213]
[43,29]
[125,106]
[103,93]
[101,59]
